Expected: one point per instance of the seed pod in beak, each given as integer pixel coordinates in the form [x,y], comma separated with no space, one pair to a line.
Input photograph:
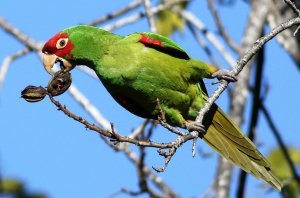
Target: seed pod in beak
[59,83]
[34,94]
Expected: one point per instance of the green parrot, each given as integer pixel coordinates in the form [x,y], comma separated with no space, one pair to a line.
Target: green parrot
[142,67]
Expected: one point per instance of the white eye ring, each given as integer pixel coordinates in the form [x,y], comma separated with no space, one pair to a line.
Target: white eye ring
[61,43]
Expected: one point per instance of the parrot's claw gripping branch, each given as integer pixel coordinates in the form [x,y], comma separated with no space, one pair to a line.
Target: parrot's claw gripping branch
[223,74]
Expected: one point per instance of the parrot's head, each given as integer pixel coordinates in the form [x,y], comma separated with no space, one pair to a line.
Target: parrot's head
[58,49]
[77,45]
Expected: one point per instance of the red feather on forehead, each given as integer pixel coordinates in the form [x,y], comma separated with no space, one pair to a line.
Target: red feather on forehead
[50,46]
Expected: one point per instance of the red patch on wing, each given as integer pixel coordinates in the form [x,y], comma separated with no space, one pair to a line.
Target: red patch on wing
[150,42]
[50,46]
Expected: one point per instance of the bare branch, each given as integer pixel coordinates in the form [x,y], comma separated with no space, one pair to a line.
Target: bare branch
[89,107]
[221,28]
[135,17]
[113,134]
[150,15]
[293,6]
[172,150]
[116,13]
[16,33]
[254,114]
[285,39]
[296,10]
[8,60]
[202,43]
[209,35]
[140,129]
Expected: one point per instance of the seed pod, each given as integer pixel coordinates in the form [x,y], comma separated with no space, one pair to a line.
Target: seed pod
[59,83]
[33,94]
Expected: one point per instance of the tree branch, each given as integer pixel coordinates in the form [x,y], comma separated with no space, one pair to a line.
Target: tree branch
[202,43]
[16,33]
[293,6]
[7,61]
[254,114]
[189,17]
[116,13]
[221,28]
[135,17]
[150,15]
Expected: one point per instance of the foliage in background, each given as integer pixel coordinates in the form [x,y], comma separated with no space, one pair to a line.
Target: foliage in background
[14,188]
[283,171]
[169,21]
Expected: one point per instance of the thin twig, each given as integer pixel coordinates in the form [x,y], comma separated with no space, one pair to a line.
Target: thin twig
[7,61]
[254,114]
[119,12]
[89,107]
[221,28]
[293,6]
[176,144]
[16,33]
[156,180]
[188,16]
[135,17]
[150,15]
[202,43]
[296,10]
[140,129]
[142,174]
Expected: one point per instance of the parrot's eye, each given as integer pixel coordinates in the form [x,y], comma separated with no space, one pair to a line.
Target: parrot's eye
[61,43]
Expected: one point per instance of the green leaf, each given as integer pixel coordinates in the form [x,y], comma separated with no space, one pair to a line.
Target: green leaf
[11,186]
[16,189]
[282,170]
[168,21]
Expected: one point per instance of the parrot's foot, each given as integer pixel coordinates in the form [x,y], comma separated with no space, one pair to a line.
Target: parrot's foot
[195,126]
[224,74]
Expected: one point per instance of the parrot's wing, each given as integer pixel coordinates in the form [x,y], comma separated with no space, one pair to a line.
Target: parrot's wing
[229,141]
[163,44]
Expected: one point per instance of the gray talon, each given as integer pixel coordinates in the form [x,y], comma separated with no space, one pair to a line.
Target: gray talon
[224,74]
[195,126]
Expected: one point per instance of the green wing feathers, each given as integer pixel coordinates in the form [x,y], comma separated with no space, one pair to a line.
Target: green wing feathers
[227,139]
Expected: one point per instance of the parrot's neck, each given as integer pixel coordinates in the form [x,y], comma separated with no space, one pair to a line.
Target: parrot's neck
[91,43]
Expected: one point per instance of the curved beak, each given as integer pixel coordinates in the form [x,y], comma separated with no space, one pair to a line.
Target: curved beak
[50,59]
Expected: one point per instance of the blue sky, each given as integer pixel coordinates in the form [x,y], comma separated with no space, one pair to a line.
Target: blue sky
[55,155]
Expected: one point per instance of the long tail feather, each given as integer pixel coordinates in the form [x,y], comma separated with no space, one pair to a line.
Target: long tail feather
[229,141]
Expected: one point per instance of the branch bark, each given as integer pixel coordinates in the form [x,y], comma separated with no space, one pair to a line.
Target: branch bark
[240,91]
[254,114]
